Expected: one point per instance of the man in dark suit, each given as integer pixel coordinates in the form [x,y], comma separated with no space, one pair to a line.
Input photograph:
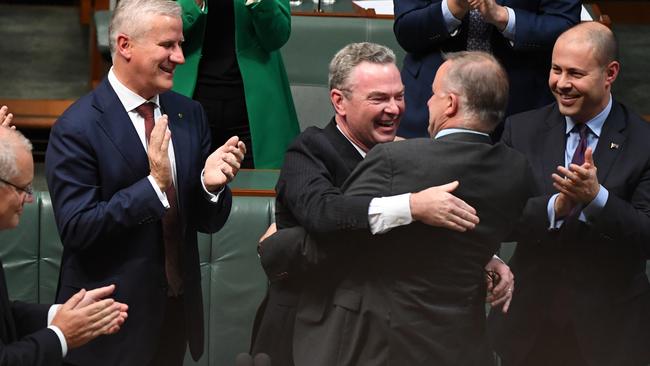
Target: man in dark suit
[582,297]
[367,95]
[519,33]
[128,210]
[415,295]
[33,334]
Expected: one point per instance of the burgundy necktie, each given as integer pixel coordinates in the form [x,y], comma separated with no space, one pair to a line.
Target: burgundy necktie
[171,222]
[579,155]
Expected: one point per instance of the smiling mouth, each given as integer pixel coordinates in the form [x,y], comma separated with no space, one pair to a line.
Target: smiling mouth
[167,69]
[390,123]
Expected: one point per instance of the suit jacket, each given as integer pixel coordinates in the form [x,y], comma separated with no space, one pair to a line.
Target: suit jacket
[260,31]
[24,338]
[602,263]
[109,217]
[309,198]
[421,30]
[416,294]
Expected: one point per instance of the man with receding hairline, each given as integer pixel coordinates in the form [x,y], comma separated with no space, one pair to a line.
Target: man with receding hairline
[132,181]
[582,295]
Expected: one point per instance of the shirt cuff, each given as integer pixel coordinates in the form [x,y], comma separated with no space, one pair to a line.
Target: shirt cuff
[494,256]
[50,316]
[451,21]
[386,213]
[212,197]
[595,206]
[509,31]
[550,209]
[162,196]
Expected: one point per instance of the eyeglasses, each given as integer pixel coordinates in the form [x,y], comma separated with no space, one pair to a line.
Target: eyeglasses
[28,189]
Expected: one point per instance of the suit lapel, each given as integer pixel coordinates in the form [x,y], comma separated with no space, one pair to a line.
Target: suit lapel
[179,127]
[554,147]
[347,151]
[610,142]
[115,122]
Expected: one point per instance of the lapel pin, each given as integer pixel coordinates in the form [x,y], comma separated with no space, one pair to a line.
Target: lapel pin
[614,146]
[180,115]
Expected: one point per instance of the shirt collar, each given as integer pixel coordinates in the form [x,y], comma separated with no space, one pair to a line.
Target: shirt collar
[449,131]
[595,124]
[363,153]
[129,99]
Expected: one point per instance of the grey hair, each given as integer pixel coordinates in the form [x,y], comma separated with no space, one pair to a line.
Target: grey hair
[10,141]
[128,17]
[482,85]
[347,58]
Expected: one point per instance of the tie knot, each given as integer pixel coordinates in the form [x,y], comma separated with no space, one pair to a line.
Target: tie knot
[582,130]
[145,110]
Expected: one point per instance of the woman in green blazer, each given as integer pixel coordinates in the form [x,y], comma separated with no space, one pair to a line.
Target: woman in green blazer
[234,68]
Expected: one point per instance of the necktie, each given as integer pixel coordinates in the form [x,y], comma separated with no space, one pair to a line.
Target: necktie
[579,155]
[172,237]
[478,33]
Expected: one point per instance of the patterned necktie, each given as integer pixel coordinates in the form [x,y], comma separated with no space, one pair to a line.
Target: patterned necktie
[172,237]
[478,33]
[579,155]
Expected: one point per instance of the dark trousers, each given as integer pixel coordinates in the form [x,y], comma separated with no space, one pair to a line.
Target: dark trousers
[555,346]
[172,341]
[227,116]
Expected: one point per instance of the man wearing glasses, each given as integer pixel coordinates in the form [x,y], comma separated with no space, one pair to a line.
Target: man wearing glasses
[32,334]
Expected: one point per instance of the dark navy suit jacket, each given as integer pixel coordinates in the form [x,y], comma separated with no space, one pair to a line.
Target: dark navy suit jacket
[109,217]
[421,30]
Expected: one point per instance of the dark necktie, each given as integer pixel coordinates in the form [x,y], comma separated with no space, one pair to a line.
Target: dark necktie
[478,33]
[172,237]
[579,155]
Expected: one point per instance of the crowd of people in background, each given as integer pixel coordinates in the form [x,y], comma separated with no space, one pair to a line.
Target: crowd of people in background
[384,250]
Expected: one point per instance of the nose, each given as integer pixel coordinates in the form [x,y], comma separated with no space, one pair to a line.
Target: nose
[28,198]
[177,56]
[563,81]
[393,107]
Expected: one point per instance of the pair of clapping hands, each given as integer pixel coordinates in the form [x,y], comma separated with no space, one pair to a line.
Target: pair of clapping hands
[220,167]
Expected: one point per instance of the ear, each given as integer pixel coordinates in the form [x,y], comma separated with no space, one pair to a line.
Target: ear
[124,46]
[452,105]
[337,98]
[611,72]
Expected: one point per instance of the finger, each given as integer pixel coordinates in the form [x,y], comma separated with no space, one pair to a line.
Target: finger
[239,154]
[568,174]
[227,171]
[461,208]
[580,172]
[589,156]
[449,187]
[7,120]
[242,147]
[232,160]
[506,305]
[451,225]
[460,221]
[74,300]
[101,292]
[158,132]
[165,142]
[233,141]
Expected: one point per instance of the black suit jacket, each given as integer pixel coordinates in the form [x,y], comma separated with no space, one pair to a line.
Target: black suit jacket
[309,199]
[24,338]
[601,262]
[109,217]
[416,294]
[421,30]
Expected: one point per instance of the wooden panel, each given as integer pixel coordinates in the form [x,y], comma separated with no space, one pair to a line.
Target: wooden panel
[626,12]
[36,113]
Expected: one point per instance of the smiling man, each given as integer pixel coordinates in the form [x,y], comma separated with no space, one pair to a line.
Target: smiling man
[130,193]
[582,295]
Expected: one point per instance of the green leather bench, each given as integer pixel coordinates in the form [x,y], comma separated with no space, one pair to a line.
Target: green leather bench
[232,279]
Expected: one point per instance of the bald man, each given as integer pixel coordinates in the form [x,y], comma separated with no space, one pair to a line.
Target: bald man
[32,334]
[582,295]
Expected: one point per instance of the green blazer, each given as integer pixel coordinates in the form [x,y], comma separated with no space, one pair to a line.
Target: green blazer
[260,30]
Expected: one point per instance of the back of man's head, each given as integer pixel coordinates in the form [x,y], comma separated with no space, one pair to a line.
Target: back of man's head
[482,86]
[130,17]
[350,56]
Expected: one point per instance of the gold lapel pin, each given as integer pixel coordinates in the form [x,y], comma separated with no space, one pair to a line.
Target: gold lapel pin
[614,146]
[180,115]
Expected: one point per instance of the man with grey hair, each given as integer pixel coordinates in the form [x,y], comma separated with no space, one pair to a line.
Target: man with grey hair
[367,95]
[132,181]
[420,302]
[32,334]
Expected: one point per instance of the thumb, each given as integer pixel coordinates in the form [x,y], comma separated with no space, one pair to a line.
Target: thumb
[233,141]
[449,187]
[74,300]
